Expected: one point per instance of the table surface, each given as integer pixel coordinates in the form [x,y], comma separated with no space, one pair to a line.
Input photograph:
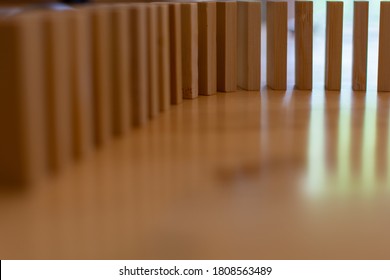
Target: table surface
[270,175]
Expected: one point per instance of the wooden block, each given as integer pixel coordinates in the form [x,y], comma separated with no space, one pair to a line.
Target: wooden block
[207,26]
[384,47]
[334,44]
[120,52]
[81,83]
[189,45]
[249,45]
[360,42]
[304,45]
[138,64]
[56,26]
[175,53]
[277,45]
[164,80]
[153,67]
[227,46]
[102,82]
[22,141]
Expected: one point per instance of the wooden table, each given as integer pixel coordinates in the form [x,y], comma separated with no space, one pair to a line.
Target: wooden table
[276,175]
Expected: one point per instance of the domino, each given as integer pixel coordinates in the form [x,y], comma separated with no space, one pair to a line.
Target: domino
[163,57]
[138,64]
[360,42]
[249,45]
[120,97]
[22,113]
[277,45]
[189,45]
[101,74]
[175,53]
[226,46]
[81,83]
[152,34]
[207,32]
[304,45]
[334,44]
[384,46]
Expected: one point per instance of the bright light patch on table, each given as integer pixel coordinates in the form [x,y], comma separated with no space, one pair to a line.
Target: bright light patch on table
[344,140]
[316,149]
[369,141]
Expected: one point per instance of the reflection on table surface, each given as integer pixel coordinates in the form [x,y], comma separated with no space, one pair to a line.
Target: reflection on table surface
[278,175]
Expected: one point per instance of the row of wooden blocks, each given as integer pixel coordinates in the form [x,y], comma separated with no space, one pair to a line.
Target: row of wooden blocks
[277,45]
[71,80]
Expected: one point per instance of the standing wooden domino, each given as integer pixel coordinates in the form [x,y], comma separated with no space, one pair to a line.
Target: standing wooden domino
[102,83]
[277,45]
[152,34]
[164,80]
[384,47]
[175,53]
[249,45]
[23,141]
[207,26]
[138,64]
[120,97]
[360,42]
[56,27]
[189,45]
[227,46]
[334,44]
[81,82]
[304,45]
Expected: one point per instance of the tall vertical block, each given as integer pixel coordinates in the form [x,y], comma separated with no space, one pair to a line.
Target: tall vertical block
[189,45]
[102,83]
[207,26]
[153,88]
[175,53]
[384,47]
[249,45]
[22,119]
[360,42]
[304,45]
[226,46]
[138,64]
[277,45]
[56,28]
[81,83]
[164,75]
[120,97]
[334,44]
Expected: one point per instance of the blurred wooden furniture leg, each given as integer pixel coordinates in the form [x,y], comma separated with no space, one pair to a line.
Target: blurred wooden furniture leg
[56,27]
[277,45]
[360,42]
[304,45]
[334,45]
[81,83]
[102,83]
[164,81]
[227,46]
[189,44]
[120,97]
[249,45]
[153,67]
[22,141]
[207,26]
[175,53]
[138,64]
[384,47]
